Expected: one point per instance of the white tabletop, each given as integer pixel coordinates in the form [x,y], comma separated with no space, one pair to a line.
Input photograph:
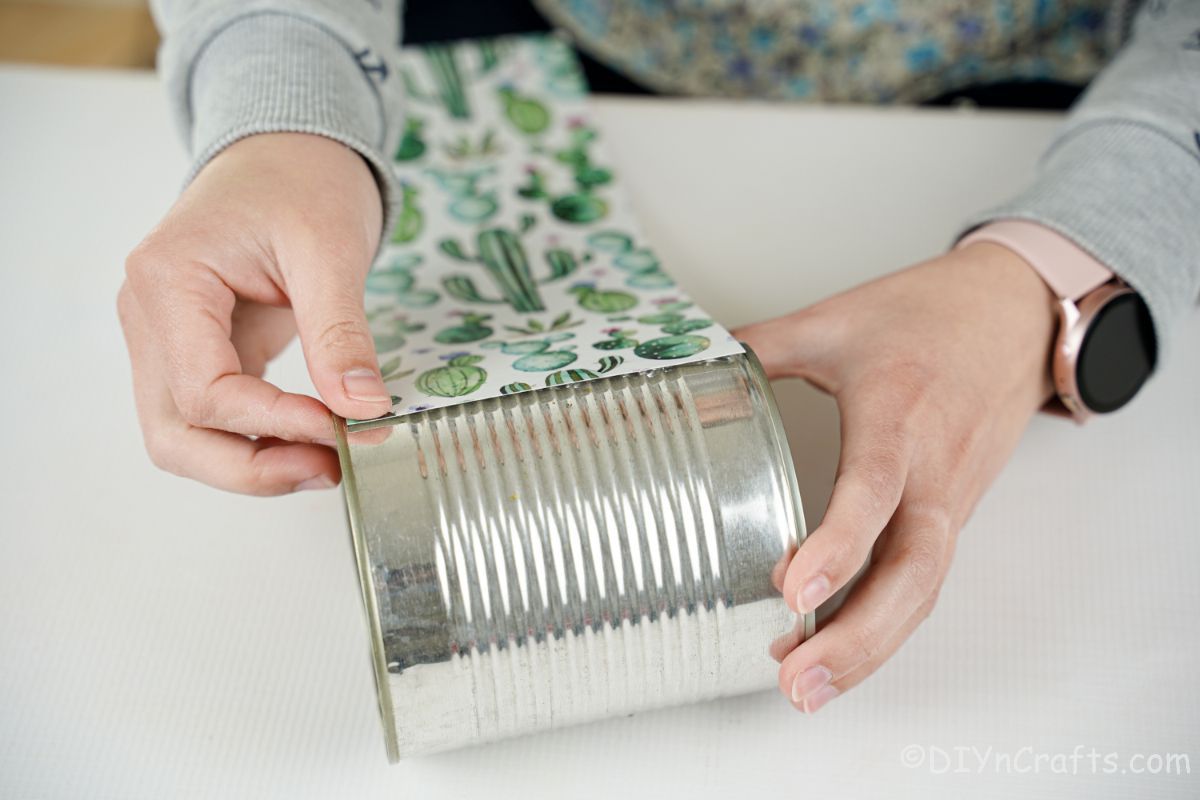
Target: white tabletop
[159,639]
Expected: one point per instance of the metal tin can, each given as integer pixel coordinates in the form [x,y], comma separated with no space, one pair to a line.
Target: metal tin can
[590,550]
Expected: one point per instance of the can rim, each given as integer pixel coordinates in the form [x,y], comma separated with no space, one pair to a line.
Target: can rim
[366,585]
[784,455]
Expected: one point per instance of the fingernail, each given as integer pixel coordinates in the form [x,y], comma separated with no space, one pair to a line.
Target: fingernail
[813,594]
[819,698]
[809,681]
[326,443]
[364,384]
[315,482]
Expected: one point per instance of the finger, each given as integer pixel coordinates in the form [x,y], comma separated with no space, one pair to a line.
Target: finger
[226,461]
[876,451]
[189,310]
[327,297]
[879,614]
[792,346]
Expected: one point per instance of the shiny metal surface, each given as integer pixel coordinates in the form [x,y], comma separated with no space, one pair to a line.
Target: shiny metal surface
[546,558]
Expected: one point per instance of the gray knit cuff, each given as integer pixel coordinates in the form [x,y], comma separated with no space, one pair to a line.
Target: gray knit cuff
[273,72]
[1129,195]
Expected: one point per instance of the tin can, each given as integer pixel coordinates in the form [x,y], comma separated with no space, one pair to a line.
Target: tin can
[589,550]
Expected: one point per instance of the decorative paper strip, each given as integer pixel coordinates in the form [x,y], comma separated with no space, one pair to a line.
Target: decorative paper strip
[516,263]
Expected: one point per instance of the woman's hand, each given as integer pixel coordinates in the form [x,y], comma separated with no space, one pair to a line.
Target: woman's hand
[936,369]
[275,235]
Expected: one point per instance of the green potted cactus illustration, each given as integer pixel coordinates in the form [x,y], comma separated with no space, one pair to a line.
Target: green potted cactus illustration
[471,329]
[618,339]
[643,266]
[503,257]
[390,370]
[462,148]
[593,299]
[457,378]
[686,326]
[410,220]
[389,329]
[412,145]
[398,283]
[468,203]
[669,347]
[607,364]
[582,205]
[561,322]
[536,355]
[525,113]
[441,62]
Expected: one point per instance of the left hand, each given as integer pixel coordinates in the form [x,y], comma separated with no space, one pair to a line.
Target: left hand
[936,370]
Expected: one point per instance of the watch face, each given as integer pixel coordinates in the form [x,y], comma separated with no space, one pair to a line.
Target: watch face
[1117,354]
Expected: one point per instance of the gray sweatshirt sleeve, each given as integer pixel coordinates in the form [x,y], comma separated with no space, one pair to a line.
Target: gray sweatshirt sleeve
[234,69]
[1122,179]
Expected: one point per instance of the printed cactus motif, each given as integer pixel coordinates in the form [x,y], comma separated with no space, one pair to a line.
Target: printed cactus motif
[562,75]
[600,302]
[398,283]
[457,378]
[515,387]
[462,148]
[441,62]
[686,326]
[390,330]
[502,255]
[536,355]
[410,220]
[618,340]
[412,145]
[670,347]
[582,205]
[390,370]
[471,329]
[525,113]
[607,364]
[468,203]
[643,266]
[561,322]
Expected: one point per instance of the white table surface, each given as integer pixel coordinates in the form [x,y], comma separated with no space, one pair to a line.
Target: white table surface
[159,639]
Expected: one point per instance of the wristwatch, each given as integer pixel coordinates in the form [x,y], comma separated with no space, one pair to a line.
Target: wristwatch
[1105,348]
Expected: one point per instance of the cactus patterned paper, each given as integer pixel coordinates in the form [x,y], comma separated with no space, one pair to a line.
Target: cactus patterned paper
[515,262]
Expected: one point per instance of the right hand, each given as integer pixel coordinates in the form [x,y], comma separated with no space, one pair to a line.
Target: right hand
[274,236]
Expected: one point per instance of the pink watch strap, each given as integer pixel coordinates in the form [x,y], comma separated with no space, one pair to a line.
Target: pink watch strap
[1069,270]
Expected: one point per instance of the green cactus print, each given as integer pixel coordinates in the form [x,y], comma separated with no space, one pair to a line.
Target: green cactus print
[462,148]
[391,330]
[410,220]
[458,378]
[412,145]
[399,285]
[544,278]
[686,326]
[503,257]
[467,202]
[536,355]
[671,347]
[607,364]
[600,302]
[471,329]
[442,65]
[643,266]
[618,340]
[561,322]
[526,114]
[581,206]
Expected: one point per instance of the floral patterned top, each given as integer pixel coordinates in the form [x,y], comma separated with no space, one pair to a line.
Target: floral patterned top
[875,51]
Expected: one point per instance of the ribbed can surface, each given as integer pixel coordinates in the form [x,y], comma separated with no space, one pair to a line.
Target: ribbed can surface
[541,559]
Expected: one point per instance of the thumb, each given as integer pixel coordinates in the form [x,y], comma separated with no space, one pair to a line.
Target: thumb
[790,346]
[338,346]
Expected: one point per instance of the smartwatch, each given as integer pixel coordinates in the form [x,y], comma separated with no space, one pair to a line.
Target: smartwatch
[1106,347]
